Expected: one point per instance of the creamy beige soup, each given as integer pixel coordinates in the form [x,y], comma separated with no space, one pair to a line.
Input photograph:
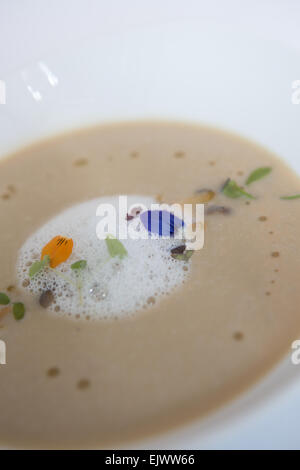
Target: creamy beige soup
[76,383]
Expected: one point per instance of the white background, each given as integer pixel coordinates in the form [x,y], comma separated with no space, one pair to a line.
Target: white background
[41,24]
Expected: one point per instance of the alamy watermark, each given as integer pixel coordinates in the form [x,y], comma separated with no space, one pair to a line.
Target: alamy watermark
[295,98]
[2,92]
[2,352]
[176,221]
[295,356]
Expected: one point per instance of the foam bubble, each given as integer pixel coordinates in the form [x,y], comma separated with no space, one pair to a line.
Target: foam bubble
[108,287]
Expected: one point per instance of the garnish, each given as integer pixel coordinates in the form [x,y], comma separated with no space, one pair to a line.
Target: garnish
[288,198]
[185,256]
[162,223]
[46,298]
[79,265]
[18,307]
[214,209]
[4,299]
[232,190]
[258,174]
[58,249]
[37,266]
[115,247]
[18,310]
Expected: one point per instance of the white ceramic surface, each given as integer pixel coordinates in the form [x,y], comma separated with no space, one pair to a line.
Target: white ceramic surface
[191,69]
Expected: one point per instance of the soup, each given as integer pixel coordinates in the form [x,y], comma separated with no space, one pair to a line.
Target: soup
[82,380]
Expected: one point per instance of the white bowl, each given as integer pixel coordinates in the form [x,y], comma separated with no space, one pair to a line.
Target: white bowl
[186,71]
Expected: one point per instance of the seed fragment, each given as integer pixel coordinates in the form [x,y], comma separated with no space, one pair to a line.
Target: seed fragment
[201,197]
[179,154]
[81,162]
[214,209]
[53,372]
[134,155]
[238,335]
[83,384]
[275,254]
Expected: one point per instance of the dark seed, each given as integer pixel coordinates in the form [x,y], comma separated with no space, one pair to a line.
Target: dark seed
[213,209]
[178,250]
[46,298]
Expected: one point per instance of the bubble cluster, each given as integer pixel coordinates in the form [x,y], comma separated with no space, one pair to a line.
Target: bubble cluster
[107,287]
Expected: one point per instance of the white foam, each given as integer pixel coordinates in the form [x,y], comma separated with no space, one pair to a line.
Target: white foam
[111,287]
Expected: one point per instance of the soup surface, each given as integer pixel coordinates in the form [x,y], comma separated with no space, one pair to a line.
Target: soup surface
[74,382]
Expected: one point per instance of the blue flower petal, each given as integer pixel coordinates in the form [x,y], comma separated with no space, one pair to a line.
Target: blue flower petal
[162,223]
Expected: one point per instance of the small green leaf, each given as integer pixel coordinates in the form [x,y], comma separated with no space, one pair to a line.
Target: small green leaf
[18,310]
[288,198]
[38,266]
[258,174]
[4,299]
[231,189]
[115,247]
[185,256]
[79,264]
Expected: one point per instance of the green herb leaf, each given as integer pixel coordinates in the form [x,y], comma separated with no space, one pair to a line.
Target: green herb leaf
[288,198]
[18,310]
[183,256]
[39,265]
[79,264]
[4,299]
[258,174]
[115,247]
[231,189]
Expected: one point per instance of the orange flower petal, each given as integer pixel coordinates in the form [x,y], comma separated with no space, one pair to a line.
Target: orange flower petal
[58,249]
